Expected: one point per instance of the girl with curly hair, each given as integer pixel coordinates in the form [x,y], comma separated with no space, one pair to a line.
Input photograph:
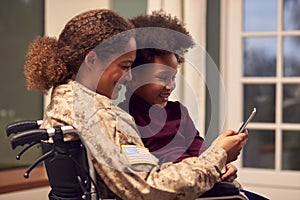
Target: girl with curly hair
[166,127]
[154,71]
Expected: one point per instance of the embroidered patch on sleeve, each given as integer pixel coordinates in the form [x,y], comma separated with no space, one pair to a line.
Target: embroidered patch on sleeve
[139,155]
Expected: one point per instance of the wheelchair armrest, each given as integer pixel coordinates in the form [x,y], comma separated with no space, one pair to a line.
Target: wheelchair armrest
[222,189]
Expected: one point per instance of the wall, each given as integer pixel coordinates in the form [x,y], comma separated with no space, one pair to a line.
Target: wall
[57,13]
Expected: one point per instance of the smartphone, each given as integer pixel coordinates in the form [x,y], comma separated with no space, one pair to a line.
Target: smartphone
[245,123]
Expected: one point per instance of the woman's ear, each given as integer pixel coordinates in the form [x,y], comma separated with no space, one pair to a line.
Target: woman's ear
[90,71]
[90,58]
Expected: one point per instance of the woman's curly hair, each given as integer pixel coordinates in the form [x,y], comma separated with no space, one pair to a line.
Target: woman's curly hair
[50,61]
[160,33]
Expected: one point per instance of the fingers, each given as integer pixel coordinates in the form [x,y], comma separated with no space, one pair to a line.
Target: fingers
[230,178]
[230,173]
[244,138]
[230,132]
[241,138]
[245,131]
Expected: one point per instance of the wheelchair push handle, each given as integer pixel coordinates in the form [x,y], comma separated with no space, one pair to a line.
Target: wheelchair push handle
[37,135]
[22,126]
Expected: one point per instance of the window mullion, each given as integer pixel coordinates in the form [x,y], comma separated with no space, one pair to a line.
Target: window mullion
[279,89]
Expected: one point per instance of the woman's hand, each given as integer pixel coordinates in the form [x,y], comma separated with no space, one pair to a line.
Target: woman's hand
[232,143]
[229,173]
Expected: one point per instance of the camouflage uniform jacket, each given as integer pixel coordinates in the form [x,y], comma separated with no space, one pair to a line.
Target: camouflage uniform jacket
[104,127]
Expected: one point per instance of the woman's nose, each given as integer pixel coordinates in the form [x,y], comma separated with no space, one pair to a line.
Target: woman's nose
[128,75]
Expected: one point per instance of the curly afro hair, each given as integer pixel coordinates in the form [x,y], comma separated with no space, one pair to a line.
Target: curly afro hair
[50,61]
[160,33]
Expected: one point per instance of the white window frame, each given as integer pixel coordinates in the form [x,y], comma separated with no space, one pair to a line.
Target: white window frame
[273,183]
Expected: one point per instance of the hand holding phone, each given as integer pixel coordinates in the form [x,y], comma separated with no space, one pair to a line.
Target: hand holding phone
[244,125]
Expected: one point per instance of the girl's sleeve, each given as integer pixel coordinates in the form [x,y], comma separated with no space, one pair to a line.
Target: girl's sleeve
[194,141]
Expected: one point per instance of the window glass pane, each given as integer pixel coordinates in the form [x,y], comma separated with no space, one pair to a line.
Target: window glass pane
[291,15]
[260,56]
[291,150]
[260,15]
[291,58]
[259,152]
[261,96]
[291,103]
[129,8]
[20,22]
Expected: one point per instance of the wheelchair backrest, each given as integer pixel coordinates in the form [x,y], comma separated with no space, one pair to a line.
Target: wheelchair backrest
[66,163]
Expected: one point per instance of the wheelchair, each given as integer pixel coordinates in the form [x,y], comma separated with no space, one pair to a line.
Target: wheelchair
[69,170]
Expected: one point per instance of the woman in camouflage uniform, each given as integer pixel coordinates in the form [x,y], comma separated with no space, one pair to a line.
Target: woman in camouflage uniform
[86,67]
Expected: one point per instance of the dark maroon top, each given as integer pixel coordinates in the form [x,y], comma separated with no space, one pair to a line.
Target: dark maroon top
[169,133]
